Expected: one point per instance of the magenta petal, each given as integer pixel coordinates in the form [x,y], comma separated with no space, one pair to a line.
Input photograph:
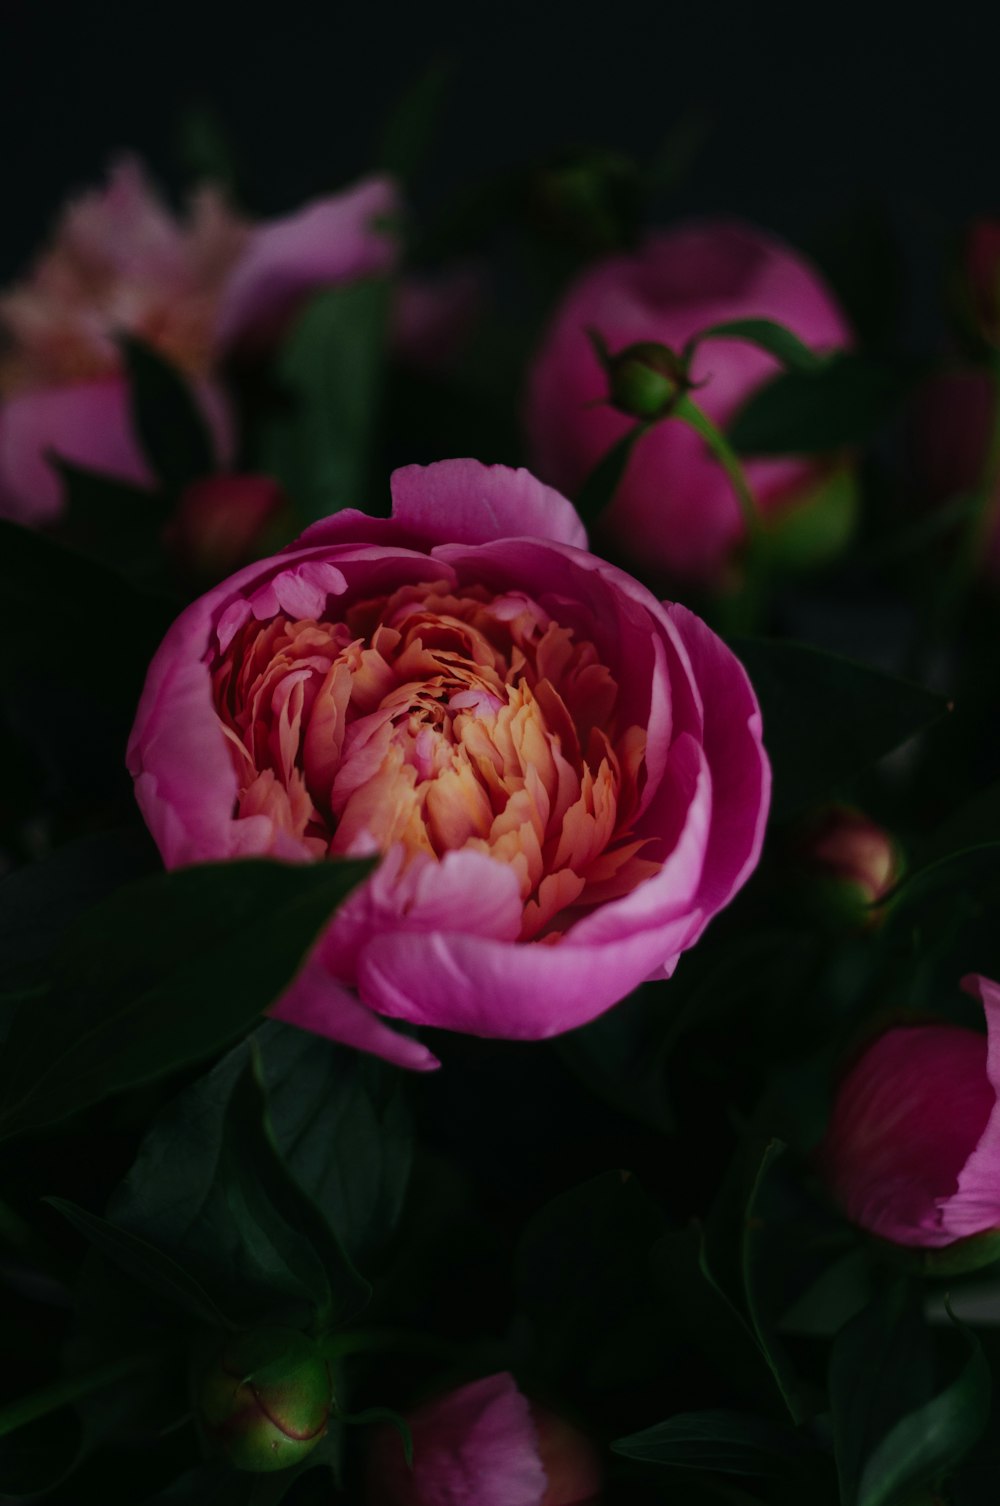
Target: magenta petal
[741,772]
[316,1002]
[975,1207]
[475,1445]
[331,241]
[907,1118]
[88,424]
[466,502]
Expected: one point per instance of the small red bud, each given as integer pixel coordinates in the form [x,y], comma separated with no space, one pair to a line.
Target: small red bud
[849,862]
[221,523]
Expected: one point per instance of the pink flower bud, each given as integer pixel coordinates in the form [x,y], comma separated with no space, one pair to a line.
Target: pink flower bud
[912,1150]
[485,1443]
[848,861]
[221,522]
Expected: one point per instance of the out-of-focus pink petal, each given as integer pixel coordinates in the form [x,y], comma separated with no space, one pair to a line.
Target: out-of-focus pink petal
[434,316]
[466,502]
[975,1207]
[331,241]
[90,425]
[674,508]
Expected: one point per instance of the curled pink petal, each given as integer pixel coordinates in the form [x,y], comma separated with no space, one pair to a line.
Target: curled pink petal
[331,241]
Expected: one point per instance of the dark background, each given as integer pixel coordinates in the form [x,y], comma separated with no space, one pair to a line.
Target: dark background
[809,110]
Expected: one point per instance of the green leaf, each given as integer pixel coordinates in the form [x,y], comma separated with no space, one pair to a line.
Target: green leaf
[146,1264]
[162,973]
[382,1414]
[341,1122]
[725,1442]
[210,1186]
[767,335]
[598,491]
[894,1436]
[37,1456]
[731,1259]
[167,419]
[622,1056]
[594,1315]
[48,591]
[110,520]
[843,402]
[286,1235]
[331,372]
[826,718]
[411,126]
[970,871]
[39,901]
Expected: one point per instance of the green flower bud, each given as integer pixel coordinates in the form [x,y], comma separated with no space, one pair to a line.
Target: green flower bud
[645,380]
[266,1398]
[846,864]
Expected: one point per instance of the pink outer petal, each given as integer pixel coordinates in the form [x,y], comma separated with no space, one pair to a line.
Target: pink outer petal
[317,1003]
[88,424]
[740,767]
[975,1207]
[528,992]
[907,1118]
[331,241]
[466,502]
[476,1445]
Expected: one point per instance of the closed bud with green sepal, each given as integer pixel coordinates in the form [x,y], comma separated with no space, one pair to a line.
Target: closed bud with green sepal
[265,1399]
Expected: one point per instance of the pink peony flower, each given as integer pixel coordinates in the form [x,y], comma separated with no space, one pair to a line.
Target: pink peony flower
[485,1443]
[912,1151]
[120,261]
[565,777]
[675,508]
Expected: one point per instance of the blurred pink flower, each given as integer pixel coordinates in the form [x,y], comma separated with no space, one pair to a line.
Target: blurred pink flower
[121,262]
[675,509]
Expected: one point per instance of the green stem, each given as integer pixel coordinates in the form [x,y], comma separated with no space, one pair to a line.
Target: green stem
[727,457]
[50,1398]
